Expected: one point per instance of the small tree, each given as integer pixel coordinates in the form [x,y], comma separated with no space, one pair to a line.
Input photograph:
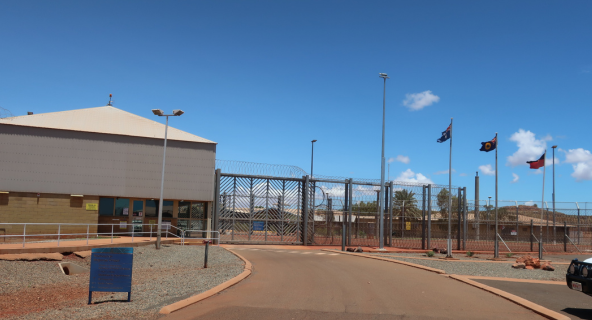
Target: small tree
[405,199]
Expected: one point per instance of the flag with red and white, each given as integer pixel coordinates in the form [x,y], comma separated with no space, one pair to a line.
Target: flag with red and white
[537,163]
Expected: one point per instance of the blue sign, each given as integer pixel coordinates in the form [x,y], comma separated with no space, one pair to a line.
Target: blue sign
[111,271]
[258,225]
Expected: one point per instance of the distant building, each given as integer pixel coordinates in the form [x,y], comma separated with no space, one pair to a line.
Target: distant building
[101,165]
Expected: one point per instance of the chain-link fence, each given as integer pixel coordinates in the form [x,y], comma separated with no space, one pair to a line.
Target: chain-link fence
[279,206]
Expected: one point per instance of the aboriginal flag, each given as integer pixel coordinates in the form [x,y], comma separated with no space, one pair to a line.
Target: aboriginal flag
[538,163]
[445,135]
[489,145]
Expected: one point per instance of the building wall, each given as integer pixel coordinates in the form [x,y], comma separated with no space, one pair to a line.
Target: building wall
[25,207]
[53,161]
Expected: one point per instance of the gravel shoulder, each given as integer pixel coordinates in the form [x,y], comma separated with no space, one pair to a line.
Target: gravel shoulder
[503,270]
[39,290]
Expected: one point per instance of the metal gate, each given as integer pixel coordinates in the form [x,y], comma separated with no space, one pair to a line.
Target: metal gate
[254,209]
[258,209]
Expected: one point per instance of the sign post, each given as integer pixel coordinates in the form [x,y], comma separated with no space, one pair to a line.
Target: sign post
[111,271]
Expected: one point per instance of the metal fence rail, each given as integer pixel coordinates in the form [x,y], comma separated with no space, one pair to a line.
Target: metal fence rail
[64,232]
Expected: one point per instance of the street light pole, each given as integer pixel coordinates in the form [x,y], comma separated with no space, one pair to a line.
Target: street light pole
[381,201]
[160,113]
[312,157]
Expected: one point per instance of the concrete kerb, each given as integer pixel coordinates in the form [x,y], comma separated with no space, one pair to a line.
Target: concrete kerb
[388,260]
[549,314]
[215,290]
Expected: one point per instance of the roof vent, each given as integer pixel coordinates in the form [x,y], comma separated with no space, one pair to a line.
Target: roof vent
[29,113]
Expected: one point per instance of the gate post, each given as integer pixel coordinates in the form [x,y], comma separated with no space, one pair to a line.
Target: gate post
[531,233]
[391,214]
[305,195]
[423,220]
[564,236]
[458,208]
[429,215]
[216,209]
[465,216]
[349,209]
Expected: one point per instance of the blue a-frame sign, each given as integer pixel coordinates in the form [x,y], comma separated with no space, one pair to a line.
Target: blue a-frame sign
[111,271]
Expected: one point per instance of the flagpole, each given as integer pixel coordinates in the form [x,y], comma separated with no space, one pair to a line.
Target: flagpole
[449,242]
[496,245]
[542,208]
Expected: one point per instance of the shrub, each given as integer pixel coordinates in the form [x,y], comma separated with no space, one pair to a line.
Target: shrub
[470,253]
[430,253]
[509,254]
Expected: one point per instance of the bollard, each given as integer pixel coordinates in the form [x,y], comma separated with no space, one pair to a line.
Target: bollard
[207,242]
[343,237]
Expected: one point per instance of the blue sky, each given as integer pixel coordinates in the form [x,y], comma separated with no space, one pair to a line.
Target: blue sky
[264,78]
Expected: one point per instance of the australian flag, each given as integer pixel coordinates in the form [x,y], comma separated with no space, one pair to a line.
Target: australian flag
[445,135]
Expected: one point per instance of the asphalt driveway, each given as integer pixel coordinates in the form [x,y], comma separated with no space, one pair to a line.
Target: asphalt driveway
[312,284]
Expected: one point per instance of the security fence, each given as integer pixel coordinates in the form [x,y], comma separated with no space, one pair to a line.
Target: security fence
[274,209]
[267,209]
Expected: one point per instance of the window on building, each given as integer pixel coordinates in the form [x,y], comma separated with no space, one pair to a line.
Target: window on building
[138,210]
[152,208]
[122,207]
[167,209]
[106,206]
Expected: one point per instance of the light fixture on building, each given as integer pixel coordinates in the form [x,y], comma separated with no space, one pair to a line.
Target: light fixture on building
[77,195]
[4,192]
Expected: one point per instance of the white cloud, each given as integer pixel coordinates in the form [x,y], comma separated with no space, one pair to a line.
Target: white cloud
[529,148]
[516,178]
[400,158]
[418,101]
[410,176]
[581,162]
[529,203]
[444,172]
[487,170]
[463,174]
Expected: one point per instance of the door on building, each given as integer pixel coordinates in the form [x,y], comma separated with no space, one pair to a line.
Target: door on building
[192,217]
[151,217]
[137,216]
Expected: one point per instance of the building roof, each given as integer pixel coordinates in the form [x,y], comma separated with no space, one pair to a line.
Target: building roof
[107,119]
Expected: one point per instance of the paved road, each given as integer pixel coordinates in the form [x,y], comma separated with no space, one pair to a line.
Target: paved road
[560,298]
[303,284]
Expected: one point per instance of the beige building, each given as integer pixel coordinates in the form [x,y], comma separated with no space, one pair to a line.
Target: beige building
[101,166]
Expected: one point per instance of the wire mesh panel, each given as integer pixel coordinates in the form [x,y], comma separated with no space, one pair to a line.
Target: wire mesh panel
[260,210]
[282,207]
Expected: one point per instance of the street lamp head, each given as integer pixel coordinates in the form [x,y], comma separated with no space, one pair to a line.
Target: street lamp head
[157,112]
[313,141]
[178,112]
[382,75]
[554,147]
